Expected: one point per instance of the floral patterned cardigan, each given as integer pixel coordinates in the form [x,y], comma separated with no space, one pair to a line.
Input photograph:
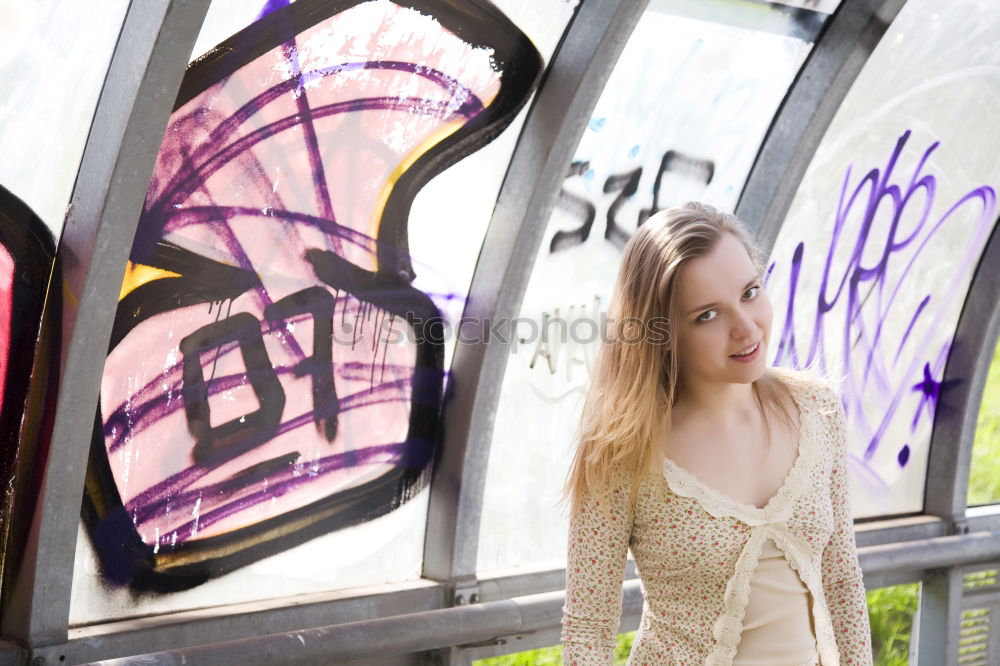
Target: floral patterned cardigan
[696,549]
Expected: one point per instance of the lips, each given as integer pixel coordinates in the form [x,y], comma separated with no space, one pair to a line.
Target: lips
[747,351]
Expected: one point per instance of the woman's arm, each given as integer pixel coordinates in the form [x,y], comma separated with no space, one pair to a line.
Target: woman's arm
[842,578]
[595,568]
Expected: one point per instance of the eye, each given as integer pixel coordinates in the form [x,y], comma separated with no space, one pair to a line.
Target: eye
[702,315]
[754,289]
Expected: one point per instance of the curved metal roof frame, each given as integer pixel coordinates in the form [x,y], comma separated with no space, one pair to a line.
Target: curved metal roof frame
[118,161]
[556,121]
[129,121]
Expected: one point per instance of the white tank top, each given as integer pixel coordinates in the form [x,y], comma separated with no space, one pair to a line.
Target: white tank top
[778,625]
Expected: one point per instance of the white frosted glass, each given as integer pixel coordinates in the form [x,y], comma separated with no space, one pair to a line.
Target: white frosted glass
[387,549]
[891,219]
[53,60]
[701,94]
[225,18]
[464,195]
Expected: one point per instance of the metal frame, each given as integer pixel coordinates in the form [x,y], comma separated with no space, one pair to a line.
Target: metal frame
[130,118]
[556,121]
[948,465]
[847,39]
[415,622]
[892,551]
[975,339]
[486,629]
[11,654]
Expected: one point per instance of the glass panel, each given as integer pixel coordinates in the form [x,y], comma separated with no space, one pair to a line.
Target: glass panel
[984,473]
[275,374]
[681,117]
[227,17]
[871,268]
[27,252]
[53,59]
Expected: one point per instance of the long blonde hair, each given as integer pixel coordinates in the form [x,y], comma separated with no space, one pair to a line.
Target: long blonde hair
[634,386]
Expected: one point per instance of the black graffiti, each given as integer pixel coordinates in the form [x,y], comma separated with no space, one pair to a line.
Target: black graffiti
[626,185]
[230,437]
[578,206]
[200,143]
[30,292]
[243,329]
[700,169]
[317,302]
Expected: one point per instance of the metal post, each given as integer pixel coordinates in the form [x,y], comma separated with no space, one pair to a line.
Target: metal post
[574,81]
[138,95]
[939,618]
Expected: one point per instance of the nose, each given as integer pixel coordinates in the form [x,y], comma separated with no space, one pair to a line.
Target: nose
[744,328]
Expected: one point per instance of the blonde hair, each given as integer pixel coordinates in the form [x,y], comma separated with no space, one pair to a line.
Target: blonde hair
[633,386]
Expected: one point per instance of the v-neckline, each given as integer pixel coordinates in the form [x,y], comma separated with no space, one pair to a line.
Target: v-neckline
[670,465]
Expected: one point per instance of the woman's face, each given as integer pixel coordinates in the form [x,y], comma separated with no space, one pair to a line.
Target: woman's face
[722,310]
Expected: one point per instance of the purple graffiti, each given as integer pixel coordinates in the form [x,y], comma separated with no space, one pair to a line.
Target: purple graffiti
[874,279]
[273,371]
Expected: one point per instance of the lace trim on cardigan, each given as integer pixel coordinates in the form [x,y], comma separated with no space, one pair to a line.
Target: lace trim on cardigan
[826,641]
[728,628]
[718,504]
[729,625]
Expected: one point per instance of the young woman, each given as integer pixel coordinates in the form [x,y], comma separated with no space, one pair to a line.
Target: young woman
[727,478]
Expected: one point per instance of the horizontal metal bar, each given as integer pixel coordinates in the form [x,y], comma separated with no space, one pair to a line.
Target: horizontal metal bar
[925,554]
[506,584]
[238,621]
[415,632]
[489,622]
[899,530]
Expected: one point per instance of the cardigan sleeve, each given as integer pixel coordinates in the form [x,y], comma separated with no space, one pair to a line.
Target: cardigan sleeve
[599,534]
[843,585]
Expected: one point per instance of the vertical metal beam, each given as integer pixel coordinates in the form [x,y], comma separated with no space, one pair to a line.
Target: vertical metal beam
[939,618]
[569,92]
[812,101]
[950,456]
[132,111]
[957,411]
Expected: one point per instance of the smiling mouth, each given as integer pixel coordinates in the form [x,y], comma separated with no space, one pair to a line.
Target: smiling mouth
[749,350]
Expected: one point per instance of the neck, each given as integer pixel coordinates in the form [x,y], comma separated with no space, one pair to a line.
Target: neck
[723,402]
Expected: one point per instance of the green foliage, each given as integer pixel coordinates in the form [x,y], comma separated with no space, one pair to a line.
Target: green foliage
[984,476]
[891,611]
[623,648]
